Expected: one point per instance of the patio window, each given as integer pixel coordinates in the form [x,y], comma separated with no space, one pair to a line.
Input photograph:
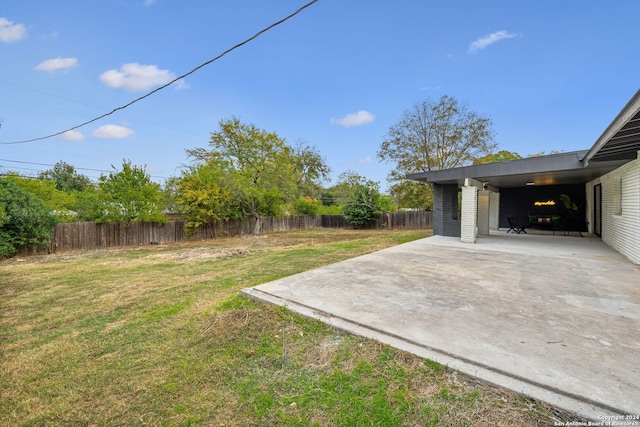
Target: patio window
[617,200]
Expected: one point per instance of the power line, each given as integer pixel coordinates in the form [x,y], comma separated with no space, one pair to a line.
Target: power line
[258,34]
[83,169]
[11,175]
[51,94]
[89,105]
[48,164]
[26,169]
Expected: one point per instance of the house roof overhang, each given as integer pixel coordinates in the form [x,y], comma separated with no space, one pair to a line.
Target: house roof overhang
[618,145]
[621,140]
[563,168]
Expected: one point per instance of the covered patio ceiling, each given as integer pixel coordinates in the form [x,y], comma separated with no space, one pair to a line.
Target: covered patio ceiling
[563,168]
[618,145]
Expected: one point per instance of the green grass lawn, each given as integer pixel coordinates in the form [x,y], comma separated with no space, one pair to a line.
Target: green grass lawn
[161,336]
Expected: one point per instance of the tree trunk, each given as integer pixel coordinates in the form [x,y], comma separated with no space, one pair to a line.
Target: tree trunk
[389,225]
[257,226]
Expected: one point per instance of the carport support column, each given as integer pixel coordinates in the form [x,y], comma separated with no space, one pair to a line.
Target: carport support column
[494,210]
[469,217]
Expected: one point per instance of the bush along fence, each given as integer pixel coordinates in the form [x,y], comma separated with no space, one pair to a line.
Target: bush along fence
[89,235]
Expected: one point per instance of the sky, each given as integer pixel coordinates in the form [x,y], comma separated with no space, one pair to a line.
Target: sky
[551,75]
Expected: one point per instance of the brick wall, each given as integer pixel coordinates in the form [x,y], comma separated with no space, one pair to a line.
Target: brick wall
[469,222]
[446,219]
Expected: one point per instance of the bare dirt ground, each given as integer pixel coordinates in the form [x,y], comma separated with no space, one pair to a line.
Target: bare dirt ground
[202,250]
[183,252]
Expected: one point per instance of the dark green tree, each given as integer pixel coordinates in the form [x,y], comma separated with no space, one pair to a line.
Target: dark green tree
[24,219]
[66,178]
[361,199]
[129,195]
[62,204]
[88,206]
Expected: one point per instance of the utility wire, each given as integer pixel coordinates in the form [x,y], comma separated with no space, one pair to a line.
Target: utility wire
[48,164]
[255,36]
[51,94]
[92,106]
[11,175]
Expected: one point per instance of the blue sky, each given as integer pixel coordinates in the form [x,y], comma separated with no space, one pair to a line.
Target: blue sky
[550,74]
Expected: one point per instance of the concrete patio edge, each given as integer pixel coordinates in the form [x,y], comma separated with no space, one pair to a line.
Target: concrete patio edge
[582,407]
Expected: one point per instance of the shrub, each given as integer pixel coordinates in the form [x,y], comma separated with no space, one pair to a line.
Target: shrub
[360,214]
[24,219]
[307,206]
[330,210]
[363,205]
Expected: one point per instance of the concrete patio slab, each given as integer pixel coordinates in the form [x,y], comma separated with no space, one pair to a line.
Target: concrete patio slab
[556,318]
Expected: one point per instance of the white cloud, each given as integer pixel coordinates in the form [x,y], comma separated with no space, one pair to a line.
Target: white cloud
[10,32]
[51,36]
[112,132]
[136,77]
[73,135]
[52,65]
[489,40]
[149,2]
[367,159]
[181,85]
[360,118]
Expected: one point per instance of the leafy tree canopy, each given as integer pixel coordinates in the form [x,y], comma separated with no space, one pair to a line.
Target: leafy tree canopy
[62,204]
[258,170]
[66,178]
[129,195]
[24,219]
[500,156]
[170,191]
[307,206]
[88,204]
[431,136]
[361,198]
[202,196]
[436,135]
[542,153]
[311,170]
[412,194]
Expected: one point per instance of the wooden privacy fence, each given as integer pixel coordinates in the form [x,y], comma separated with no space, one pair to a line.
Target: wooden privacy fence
[89,235]
[409,219]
